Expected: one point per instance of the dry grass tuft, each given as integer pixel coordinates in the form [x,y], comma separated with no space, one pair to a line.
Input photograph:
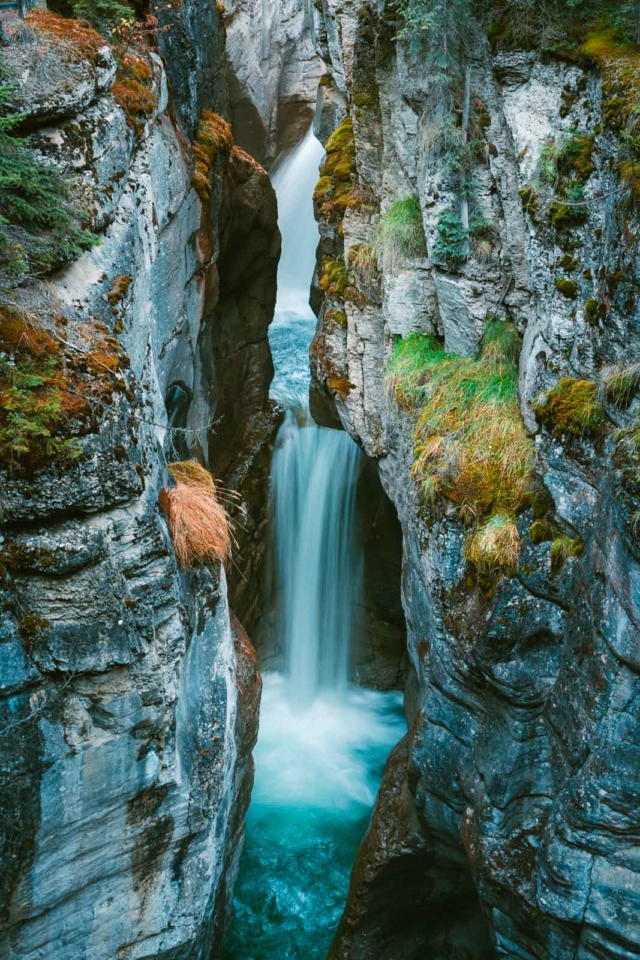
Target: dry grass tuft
[495,544]
[199,524]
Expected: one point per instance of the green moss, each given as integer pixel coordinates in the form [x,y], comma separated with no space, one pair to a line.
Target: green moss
[542,531]
[326,80]
[470,444]
[591,309]
[334,189]
[529,200]
[562,549]
[587,274]
[571,407]
[322,188]
[568,288]
[333,279]
[363,100]
[567,262]
[401,234]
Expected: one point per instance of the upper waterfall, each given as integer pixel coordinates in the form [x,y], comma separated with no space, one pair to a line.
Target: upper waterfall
[294,180]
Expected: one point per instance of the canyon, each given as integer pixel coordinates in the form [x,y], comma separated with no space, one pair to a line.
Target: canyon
[506,820]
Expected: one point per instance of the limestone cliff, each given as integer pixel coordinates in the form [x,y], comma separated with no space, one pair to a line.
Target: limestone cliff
[129,695]
[507,822]
[273,72]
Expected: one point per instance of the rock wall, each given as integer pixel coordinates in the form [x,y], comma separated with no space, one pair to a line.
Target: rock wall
[129,694]
[506,824]
[274,71]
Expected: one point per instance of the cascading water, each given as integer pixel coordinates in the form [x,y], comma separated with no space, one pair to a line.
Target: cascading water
[318,564]
[322,743]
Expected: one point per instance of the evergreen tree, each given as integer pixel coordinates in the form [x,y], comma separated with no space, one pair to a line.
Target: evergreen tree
[41,226]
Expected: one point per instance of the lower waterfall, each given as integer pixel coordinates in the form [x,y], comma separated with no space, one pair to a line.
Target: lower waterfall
[322,743]
[317,560]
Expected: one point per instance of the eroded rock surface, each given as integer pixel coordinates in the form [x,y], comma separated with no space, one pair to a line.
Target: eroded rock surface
[129,693]
[510,818]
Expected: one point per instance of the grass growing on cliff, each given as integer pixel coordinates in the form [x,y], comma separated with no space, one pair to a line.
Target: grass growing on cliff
[401,234]
[470,444]
[199,524]
[45,395]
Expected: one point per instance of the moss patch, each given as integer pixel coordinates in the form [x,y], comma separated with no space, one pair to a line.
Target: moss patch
[571,407]
[568,288]
[334,189]
[213,138]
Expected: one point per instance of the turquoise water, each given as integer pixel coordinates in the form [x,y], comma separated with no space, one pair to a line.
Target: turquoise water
[317,774]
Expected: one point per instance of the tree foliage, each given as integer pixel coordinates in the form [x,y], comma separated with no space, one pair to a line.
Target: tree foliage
[39,226]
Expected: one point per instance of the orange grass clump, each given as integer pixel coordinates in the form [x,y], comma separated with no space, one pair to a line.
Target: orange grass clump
[136,100]
[199,524]
[212,137]
[76,33]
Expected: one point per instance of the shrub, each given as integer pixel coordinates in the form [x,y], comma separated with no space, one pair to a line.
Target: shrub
[401,233]
[452,240]
[103,15]
[470,444]
[571,407]
[43,227]
[45,397]
[213,137]
[199,525]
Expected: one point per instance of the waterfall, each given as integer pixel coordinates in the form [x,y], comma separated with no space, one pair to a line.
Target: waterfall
[322,742]
[314,471]
[318,561]
[294,180]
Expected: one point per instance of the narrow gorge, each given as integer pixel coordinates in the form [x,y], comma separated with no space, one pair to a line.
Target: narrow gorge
[319,480]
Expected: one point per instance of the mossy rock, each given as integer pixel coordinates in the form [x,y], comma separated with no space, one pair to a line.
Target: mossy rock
[591,309]
[568,288]
[567,262]
[571,407]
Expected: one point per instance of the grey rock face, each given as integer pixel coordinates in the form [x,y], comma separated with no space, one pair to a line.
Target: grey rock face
[509,816]
[273,73]
[128,697]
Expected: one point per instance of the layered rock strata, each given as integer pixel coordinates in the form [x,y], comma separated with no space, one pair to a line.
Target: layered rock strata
[129,694]
[508,819]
